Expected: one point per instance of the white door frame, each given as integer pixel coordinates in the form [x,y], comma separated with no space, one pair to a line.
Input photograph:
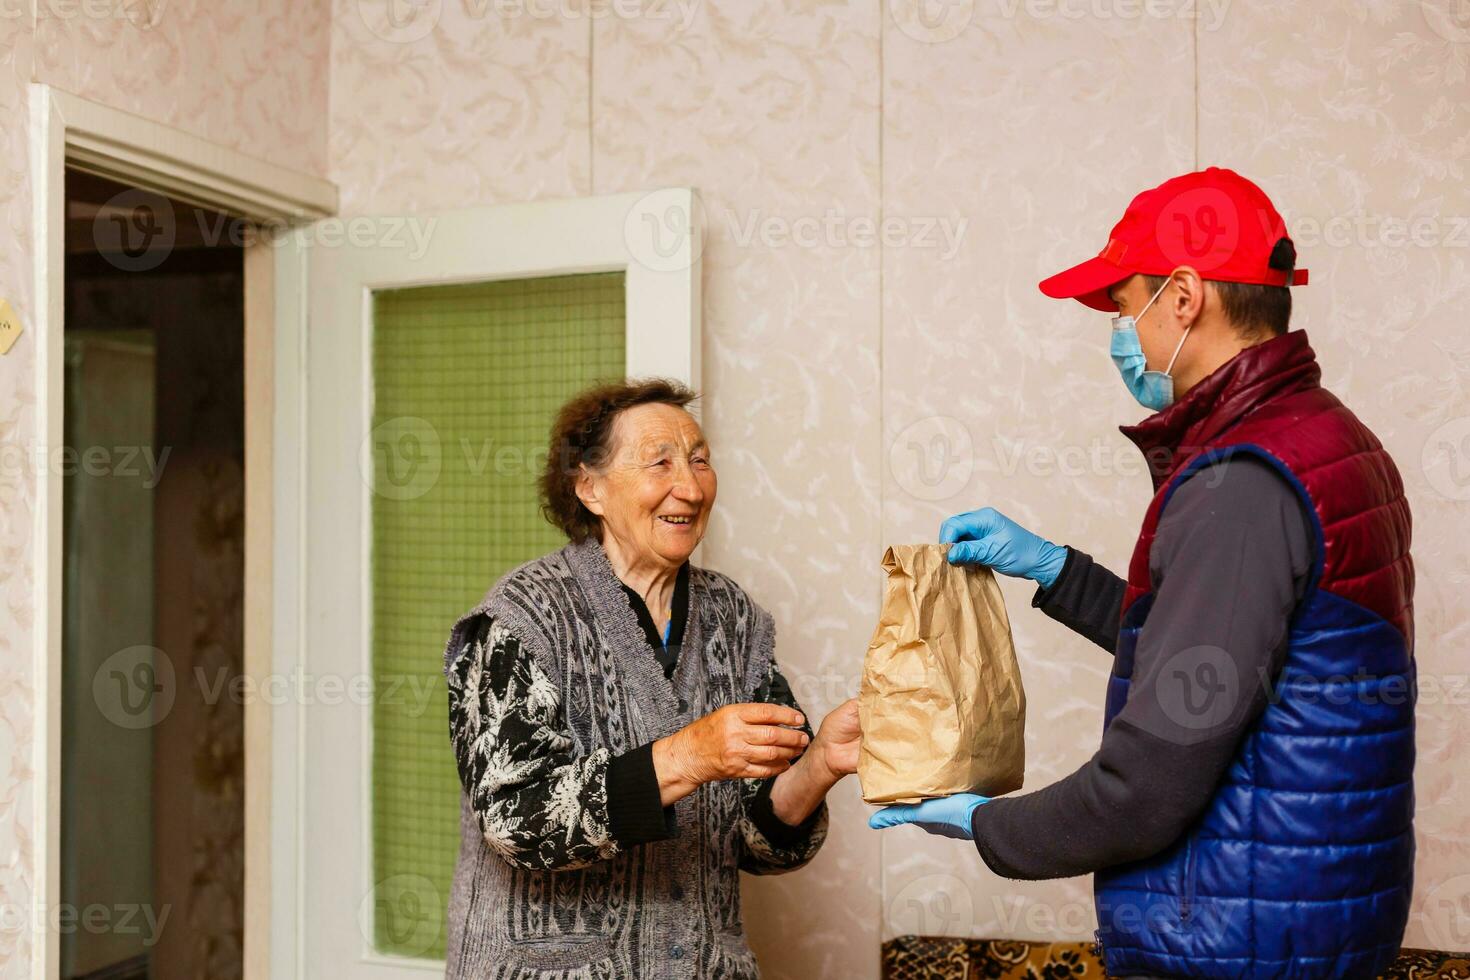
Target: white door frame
[654,238]
[68,131]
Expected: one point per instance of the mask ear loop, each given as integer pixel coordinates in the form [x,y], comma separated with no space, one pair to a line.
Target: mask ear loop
[1170,369]
[1157,293]
[1182,337]
[1178,347]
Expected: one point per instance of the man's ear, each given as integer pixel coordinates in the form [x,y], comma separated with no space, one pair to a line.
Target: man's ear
[1189,294]
[588,490]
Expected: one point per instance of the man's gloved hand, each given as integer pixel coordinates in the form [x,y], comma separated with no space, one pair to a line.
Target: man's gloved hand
[947,816]
[988,537]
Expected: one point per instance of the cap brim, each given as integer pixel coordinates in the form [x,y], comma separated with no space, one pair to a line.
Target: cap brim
[1088,283]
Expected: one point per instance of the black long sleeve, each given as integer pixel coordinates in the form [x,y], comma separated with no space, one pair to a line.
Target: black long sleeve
[635,810]
[1229,564]
[1086,598]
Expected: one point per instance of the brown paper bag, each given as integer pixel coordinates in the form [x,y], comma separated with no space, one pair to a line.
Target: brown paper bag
[941,703]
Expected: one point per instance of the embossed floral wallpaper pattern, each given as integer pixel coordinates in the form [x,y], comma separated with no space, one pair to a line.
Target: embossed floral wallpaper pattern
[17,421]
[859,392]
[250,76]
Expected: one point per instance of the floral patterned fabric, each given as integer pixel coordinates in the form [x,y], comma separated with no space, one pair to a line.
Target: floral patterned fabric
[939,958]
[539,805]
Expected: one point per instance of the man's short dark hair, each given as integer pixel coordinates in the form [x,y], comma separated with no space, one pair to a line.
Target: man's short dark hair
[1253,309]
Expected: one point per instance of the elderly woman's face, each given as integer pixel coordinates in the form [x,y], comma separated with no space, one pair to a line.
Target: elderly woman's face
[655,492]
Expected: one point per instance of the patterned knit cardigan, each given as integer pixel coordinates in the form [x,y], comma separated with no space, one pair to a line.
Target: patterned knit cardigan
[541,889]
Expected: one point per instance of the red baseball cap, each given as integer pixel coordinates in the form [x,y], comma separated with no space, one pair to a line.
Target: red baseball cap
[1213,220]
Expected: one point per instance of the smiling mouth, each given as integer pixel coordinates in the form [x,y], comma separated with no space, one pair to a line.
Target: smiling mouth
[677,520]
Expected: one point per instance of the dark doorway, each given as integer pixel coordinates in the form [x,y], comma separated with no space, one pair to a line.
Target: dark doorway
[152,808]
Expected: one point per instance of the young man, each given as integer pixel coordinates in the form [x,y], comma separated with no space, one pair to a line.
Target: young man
[1250,810]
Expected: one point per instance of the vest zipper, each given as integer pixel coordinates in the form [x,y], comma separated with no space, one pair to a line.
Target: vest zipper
[1186,893]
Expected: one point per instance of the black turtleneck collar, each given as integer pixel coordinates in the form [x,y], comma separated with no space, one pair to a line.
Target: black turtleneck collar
[666,653]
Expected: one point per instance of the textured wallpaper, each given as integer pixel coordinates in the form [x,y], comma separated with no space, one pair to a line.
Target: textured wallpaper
[251,76]
[454,105]
[17,502]
[883,185]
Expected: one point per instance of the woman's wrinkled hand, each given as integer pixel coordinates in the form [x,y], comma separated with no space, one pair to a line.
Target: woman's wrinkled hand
[839,738]
[738,741]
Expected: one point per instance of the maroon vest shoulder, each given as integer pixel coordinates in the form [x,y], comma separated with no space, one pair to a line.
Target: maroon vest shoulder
[1350,482]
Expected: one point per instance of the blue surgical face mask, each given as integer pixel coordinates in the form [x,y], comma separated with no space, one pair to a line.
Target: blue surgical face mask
[1154,390]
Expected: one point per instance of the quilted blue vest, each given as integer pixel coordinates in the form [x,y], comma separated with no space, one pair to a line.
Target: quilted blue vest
[1302,864]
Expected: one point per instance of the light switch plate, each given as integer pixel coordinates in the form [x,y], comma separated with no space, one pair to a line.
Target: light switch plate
[9,326]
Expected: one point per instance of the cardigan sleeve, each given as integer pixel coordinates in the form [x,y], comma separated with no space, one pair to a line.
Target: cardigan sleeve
[538,804]
[772,846]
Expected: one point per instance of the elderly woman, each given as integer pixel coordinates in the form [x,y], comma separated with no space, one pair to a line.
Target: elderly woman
[624,738]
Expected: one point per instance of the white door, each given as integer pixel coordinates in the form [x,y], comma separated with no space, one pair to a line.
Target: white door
[359,830]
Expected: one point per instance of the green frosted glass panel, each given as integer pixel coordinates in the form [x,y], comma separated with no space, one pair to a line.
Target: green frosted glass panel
[466,381]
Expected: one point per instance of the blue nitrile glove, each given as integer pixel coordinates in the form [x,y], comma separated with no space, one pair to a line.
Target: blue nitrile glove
[947,816]
[988,537]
